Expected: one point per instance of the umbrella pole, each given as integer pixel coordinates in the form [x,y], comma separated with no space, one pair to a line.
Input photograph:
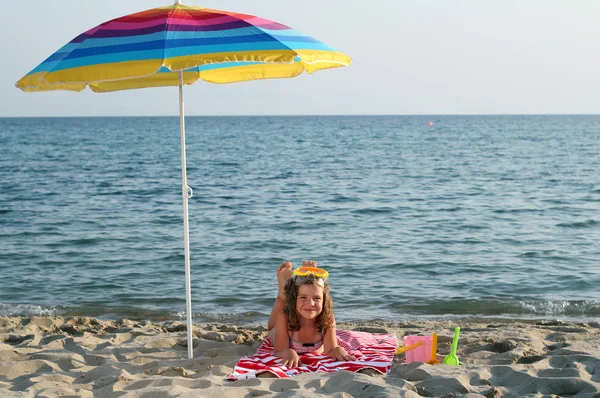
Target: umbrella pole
[187,194]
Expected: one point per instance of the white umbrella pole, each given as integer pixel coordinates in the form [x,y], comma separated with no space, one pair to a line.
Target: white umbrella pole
[187,194]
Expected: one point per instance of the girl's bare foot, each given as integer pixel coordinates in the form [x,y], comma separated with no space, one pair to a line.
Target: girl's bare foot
[309,263]
[284,272]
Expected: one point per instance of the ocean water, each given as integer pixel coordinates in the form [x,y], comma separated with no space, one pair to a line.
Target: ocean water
[475,216]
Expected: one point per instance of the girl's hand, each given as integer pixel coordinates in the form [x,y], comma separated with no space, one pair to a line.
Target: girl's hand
[289,358]
[340,354]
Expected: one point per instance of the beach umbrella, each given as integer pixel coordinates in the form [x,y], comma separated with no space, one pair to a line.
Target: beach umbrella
[174,46]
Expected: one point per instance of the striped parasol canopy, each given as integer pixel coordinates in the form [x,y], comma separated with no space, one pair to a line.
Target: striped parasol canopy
[149,48]
[175,46]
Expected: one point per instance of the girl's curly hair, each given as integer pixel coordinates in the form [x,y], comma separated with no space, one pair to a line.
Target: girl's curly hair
[323,321]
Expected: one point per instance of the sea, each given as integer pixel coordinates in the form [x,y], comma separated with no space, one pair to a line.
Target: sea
[414,217]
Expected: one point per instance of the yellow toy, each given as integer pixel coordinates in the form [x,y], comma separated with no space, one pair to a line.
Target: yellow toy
[400,350]
[433,359]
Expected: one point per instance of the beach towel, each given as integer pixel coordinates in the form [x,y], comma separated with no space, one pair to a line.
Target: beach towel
[371,350]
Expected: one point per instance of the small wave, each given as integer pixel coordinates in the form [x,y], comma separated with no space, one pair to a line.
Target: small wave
[282,176]
[166,220]
[580,307]
[516,211]
[27,310]
[101,312]
[226,164]
[579,224]
[343,199]
[110,193]
[555,202]
[474,227]
[33,234]
[584,308]
[451,209]
[75,242]
[543,253]
[374,210]
[467,241]
[173,257]
[289,226]
[239,318]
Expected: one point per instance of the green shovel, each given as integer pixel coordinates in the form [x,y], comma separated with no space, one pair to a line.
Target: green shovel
[452,359]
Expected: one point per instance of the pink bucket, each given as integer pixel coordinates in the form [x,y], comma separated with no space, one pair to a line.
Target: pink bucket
[421,353]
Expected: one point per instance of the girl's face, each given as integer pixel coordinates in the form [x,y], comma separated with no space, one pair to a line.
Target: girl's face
[309,303]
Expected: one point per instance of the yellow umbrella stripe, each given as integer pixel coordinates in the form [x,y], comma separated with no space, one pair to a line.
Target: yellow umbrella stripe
[132,74]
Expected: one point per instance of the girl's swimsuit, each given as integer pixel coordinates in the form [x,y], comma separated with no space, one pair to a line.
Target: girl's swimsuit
[298,346]
[302,348]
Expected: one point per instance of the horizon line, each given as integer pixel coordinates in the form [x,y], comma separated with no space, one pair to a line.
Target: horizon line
[313,115]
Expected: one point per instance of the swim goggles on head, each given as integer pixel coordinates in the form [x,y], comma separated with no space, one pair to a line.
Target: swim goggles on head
[304,274]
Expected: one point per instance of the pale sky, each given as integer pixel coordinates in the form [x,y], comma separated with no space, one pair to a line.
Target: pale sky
[409,57]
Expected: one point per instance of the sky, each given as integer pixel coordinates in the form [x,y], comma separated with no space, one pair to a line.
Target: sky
[426,57]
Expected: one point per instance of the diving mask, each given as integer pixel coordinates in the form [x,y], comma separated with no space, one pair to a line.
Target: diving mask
[303,274]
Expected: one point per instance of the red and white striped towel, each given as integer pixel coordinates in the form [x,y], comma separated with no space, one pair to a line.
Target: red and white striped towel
[372,351]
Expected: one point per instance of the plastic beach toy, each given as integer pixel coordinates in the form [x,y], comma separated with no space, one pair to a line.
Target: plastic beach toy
[400,350]
[452,359]
[420,353]
[433,359]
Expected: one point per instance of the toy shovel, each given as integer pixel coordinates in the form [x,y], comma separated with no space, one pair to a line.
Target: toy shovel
[400,350]
[433,359]
[452,359]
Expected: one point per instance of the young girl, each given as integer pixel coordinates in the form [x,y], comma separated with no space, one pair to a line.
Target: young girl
[301,320]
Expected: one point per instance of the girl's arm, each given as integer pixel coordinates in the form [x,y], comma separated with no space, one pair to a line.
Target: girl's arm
[331,347]
[288,356]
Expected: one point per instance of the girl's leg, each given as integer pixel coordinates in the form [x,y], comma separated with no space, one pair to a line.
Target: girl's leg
[309,263]
[284,272]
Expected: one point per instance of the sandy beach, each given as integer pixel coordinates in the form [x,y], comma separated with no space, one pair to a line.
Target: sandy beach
[81,357]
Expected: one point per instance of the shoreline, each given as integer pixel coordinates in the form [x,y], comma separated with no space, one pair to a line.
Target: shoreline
[83,356]
[259,318]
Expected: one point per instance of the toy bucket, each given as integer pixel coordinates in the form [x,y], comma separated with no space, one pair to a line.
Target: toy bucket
[421,353]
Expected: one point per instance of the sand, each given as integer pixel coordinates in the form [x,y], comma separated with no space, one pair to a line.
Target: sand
[81,357]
